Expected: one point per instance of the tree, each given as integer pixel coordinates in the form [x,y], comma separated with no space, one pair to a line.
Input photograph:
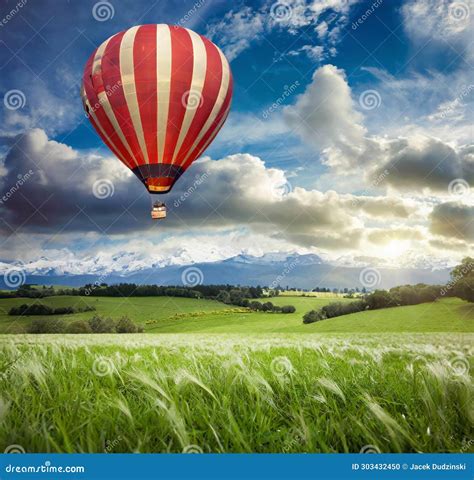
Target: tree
[313,316]
[47,325]
[125,325]
[288,309]
[380,299]
[462,280]
[79,326]
[102,324]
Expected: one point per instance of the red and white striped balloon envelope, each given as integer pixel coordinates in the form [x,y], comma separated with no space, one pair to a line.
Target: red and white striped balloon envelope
[157,95]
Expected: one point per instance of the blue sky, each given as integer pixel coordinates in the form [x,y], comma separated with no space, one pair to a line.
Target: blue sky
[323,149]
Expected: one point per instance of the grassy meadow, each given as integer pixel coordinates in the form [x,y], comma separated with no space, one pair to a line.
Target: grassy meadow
[227,393]
[186,315]
[393,380]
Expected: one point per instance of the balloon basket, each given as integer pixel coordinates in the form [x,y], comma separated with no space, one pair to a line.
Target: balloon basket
[158,211]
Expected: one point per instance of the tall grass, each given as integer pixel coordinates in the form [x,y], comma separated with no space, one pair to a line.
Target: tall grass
[393,393]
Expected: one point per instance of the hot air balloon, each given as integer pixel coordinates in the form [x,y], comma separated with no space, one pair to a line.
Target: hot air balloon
[157,95]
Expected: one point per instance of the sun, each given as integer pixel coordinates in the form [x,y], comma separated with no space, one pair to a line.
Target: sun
[395,248]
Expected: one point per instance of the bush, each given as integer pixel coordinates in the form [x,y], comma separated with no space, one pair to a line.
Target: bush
[313,316]
[254,305]
[267,306]
[380,299]
[337,309]
[34,309]
[125,325]
[47,325]
[288,309]
[79,326]
[102,324]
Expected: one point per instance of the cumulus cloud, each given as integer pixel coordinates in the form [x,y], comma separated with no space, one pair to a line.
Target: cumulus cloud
[326,117]
[453,220]
[238,190]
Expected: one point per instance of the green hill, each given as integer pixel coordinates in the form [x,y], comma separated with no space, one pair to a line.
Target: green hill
[185,315]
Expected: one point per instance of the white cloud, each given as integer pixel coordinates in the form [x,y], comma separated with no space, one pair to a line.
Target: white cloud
[237,30]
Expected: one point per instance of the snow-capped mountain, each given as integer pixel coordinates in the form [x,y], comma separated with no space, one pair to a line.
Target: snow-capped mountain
[272,269]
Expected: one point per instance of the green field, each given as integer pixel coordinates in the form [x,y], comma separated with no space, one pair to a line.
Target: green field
[236,393]
[240,381]
[184,315]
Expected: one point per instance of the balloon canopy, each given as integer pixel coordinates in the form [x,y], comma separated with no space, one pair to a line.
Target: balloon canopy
[157,95]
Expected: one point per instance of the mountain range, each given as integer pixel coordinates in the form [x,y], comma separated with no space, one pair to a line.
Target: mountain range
[303,271]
